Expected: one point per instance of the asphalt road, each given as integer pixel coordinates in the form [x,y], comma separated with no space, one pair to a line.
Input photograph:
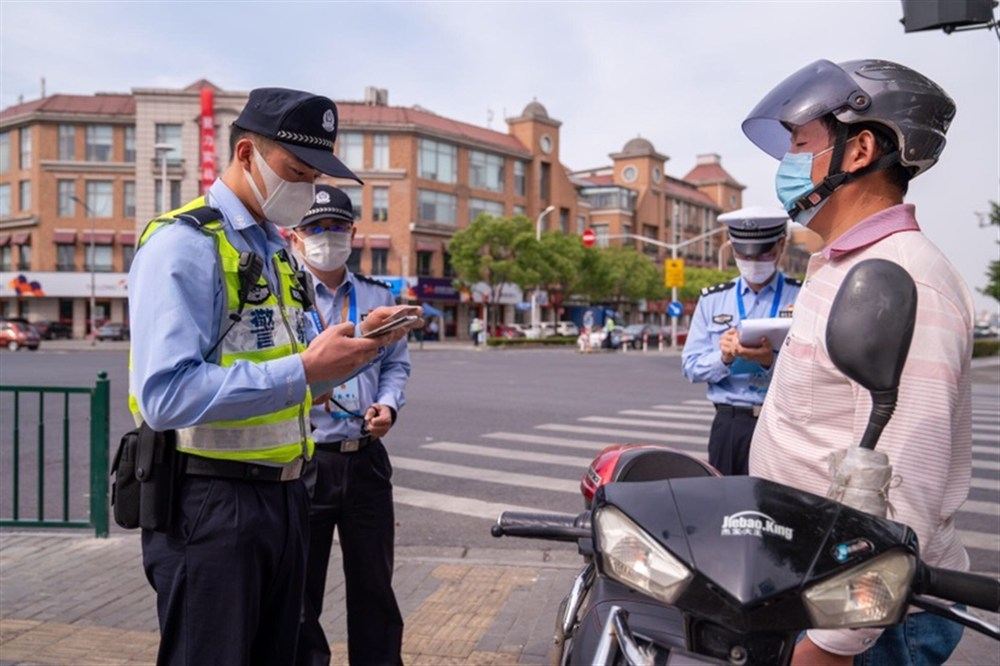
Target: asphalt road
[481,431]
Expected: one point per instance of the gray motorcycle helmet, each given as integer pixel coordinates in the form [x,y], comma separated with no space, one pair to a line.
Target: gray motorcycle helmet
[915,108]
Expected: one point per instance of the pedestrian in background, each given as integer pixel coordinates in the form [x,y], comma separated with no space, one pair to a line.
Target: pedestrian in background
[476,330]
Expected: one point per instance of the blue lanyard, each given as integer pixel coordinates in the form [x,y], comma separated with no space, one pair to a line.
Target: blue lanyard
[774,305]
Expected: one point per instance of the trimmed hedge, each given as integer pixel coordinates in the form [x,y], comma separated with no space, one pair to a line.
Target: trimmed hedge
[982,348]
[551,341]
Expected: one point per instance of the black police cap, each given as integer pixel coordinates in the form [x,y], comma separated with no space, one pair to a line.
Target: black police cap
[303,123]
[330,203]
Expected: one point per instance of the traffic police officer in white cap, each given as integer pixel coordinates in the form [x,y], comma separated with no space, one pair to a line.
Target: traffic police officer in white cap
[738,375]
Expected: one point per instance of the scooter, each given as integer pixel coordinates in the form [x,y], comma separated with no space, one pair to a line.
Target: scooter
[683,566]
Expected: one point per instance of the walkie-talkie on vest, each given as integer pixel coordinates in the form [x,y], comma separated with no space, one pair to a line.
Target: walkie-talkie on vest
[250,268]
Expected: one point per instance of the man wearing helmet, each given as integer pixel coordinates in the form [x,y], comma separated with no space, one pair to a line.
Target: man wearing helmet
[850,137]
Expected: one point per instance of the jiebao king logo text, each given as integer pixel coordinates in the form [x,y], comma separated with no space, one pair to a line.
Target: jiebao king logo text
[754,523]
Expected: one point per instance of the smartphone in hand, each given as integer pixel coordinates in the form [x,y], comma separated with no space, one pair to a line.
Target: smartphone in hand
[396,322]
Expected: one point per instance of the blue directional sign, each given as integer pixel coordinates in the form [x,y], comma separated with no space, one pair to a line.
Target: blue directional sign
[675,309]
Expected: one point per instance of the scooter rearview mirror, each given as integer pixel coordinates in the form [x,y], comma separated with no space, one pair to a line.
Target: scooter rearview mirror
[869,332]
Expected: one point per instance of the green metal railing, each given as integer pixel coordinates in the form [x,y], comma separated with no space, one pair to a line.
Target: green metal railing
[99,433]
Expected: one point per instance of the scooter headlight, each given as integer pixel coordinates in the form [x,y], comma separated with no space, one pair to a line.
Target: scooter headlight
[871,594]
[633,558]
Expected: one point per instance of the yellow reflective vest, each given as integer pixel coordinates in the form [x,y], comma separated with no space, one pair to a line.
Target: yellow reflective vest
[271,326]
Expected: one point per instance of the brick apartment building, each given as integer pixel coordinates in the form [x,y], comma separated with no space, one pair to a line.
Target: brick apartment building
[425,176]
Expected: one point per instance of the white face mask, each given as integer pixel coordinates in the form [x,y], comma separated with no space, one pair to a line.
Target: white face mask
[286,203]
[756,272]
[327,251]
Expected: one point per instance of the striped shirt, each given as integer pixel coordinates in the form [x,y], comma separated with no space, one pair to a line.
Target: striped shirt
[813,410]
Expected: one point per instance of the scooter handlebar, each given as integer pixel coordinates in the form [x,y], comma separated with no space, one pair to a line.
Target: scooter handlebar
[549,526]
[961,587]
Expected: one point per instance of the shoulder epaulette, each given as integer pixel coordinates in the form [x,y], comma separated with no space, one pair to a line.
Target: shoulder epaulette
[371,280]
[200,216]
[722,286]
[795,282]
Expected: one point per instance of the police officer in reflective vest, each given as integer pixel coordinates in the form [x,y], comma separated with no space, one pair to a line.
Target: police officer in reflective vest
[738,375]
[349,476]
[219,357]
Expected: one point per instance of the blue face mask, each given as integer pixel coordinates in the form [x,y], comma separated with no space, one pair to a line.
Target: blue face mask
[794,180]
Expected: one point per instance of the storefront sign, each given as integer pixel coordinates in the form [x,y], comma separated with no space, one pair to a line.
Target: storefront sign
[436,289]
[504,294]
[32,284]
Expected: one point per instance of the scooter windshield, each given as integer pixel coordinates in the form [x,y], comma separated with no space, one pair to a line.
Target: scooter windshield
[808,94]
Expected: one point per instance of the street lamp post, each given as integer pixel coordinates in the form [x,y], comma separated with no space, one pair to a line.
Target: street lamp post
[534,292]
[673,247]
[93,288]
[162,149]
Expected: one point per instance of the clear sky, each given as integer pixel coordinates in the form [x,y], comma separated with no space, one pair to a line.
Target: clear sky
[682,74]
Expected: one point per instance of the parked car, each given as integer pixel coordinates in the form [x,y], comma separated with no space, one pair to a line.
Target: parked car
[53,330]
[635,332]
[112,332]
[567,328]
[984,330]
[507,331]
[599,338]
[15,334]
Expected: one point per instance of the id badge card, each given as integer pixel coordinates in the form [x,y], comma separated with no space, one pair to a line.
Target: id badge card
[347,394]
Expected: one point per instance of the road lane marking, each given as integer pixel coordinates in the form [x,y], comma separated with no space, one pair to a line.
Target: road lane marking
[980,540]
[510,454]
[985,464]
[486,475]
[639,423]
[980,508]
[664,414]
[465,506]
[703,406]
[639,436]
[985,484]
[695,446]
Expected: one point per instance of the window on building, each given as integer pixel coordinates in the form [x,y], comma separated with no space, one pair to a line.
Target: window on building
[175,195]
[380,261]
[65,257]
[581,223]
[128,199]
[354,261]
[4,152]
[25,154]
[380,156]
[100,197]
[519,210]
[564,220]
[66,310]
[99,143]
[170,133]
[24,257]
[24,194]
[425,263]
[6,258]
[545,175]
[449,270]
[438,161]
[437,206]
[354,194]
[485,171]
[519,178]
[5,199]
[130,143]
[100,261]
[479,206]
[601,234]
[380,204]
[66,189]
[351,149]
[128,254]
[67,143]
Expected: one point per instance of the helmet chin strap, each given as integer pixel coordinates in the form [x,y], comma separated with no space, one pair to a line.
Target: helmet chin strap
[835,177]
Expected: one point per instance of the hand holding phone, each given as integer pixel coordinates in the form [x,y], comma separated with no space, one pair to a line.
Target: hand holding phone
[392,325]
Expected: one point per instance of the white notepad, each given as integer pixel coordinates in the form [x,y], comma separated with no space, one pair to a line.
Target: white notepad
[773,328]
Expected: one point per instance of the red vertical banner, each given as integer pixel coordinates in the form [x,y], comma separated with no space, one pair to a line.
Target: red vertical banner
[207,142]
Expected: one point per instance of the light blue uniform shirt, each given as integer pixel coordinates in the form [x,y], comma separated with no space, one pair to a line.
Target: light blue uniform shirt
[382,382]
[740,383]
[175,307]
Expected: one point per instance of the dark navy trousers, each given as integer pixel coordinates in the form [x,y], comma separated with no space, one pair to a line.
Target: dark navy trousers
[729,443]
[352,492]
[230,574]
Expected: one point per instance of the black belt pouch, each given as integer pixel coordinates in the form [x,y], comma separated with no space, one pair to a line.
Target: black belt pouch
[147,469]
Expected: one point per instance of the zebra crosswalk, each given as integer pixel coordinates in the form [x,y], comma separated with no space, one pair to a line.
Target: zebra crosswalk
[540,466]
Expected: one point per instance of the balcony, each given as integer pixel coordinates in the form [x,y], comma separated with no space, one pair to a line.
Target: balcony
[610,198]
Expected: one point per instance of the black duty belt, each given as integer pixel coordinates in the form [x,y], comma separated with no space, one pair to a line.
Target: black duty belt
[347,445]
[234,469]
[732,410]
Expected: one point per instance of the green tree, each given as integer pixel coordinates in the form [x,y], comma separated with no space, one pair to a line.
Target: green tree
[495,250]
[696,279]
[627,276]
[992,287]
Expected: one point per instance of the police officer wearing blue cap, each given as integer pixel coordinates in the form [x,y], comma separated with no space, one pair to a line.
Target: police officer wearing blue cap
[218,357]
[738,375]
[349,476]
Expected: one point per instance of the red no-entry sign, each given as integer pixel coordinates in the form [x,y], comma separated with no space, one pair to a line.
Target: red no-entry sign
[589,238]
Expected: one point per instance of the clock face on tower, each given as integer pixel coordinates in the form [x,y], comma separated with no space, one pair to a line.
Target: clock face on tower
[545,143]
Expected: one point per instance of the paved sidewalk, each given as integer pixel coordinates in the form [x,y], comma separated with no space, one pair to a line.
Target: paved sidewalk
[65,599]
